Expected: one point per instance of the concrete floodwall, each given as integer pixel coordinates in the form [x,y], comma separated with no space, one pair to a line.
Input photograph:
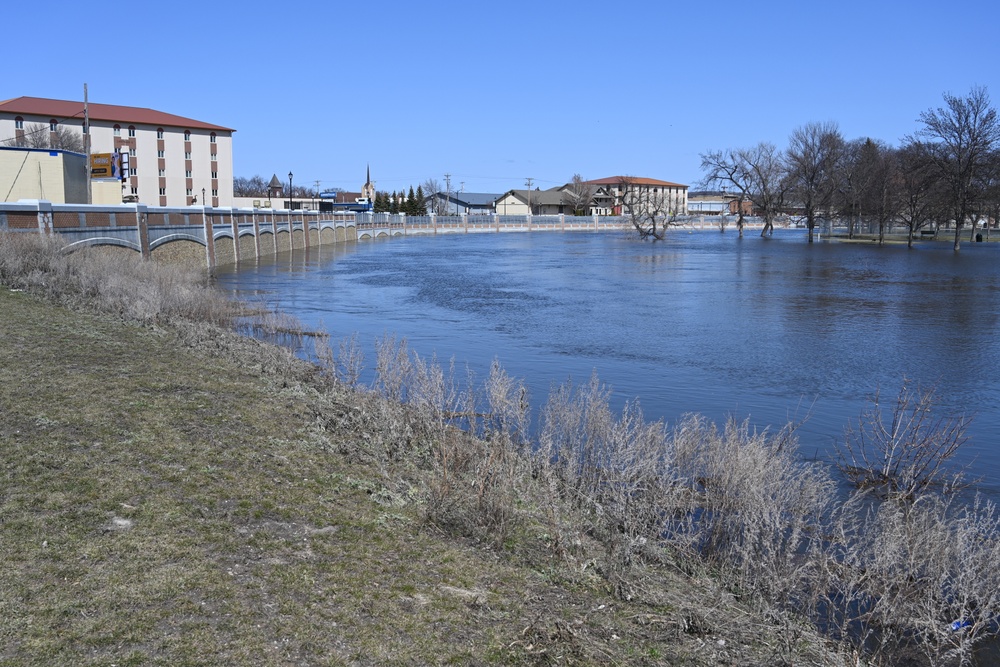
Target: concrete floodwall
[211,236]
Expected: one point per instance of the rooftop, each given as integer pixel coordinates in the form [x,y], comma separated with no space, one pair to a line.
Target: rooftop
[65,109]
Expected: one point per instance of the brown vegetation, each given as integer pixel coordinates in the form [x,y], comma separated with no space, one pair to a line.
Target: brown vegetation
[207,498]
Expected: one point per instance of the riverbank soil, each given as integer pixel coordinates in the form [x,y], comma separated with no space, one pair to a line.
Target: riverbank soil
[183,496]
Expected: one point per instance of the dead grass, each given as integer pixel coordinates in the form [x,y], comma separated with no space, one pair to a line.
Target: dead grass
[178,495]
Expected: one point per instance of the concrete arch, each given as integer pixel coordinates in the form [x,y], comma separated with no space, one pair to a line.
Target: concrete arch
[170,238]
[180,249]
[101,241]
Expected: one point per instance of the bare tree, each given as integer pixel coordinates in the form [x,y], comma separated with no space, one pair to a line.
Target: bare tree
[579,195]
[959,138]
[852,182]
[41,135]
[766,179]
[432,188]
[919,190]
[255,186]
[811,160]
[649,208]
[729,169]
[878,193]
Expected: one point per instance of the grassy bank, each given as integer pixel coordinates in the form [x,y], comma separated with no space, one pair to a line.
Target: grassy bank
[175,495]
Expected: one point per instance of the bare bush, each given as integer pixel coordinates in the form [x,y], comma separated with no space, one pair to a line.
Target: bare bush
[919,579]
[757,506]
[111,281]
[350,361]
[906,453]
[392,367]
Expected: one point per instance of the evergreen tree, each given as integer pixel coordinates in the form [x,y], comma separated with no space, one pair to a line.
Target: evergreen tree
[380,205]
[420,207]
[411,203]
[393,203]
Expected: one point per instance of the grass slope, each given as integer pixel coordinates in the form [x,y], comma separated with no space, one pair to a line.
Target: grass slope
[165,502]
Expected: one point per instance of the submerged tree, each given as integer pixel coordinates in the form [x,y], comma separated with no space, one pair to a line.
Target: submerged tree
[649,208]
[811,160]
[959,139]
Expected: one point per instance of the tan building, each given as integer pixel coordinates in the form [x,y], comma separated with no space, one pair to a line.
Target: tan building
[173,161]
[612,193]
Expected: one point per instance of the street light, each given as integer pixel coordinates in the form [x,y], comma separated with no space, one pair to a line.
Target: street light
[290,191]
[203,202]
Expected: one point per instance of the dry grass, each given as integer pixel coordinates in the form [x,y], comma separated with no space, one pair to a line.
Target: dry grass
[176,494]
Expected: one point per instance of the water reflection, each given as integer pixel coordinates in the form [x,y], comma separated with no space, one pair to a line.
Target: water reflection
[705,322]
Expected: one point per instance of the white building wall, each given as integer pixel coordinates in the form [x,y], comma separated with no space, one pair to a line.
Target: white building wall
[146,161]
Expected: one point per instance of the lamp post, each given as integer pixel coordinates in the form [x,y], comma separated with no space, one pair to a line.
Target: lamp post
[290,207]
[203,202]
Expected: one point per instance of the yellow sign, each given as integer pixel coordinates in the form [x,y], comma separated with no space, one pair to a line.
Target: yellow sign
[104,165]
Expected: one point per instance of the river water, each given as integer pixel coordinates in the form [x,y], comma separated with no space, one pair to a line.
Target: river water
[767,329]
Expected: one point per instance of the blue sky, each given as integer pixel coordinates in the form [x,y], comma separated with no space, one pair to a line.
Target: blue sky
[494,93]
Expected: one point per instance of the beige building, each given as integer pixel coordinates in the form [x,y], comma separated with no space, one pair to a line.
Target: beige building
[613,194]
[173,161]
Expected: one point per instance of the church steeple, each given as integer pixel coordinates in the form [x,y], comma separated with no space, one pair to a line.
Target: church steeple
[368,190]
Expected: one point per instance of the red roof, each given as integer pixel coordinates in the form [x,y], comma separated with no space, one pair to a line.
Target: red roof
[64,109]
[635,180]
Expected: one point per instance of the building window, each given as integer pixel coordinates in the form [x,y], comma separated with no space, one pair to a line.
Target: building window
[212,138]
[163,192]
[118,130]
[132,172]
[131,152]
[215,174]
[187,155]
[52,125]
[18,123]
[214,157]
[190,192]
[159,153]
[187,135]
[163,172]
[159,133]
[187,174]
[135,190]
[215,193]
[131,130]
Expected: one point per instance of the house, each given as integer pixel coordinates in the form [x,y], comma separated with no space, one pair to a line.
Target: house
[533,202]
[171,159]
[614,194]
[458,203]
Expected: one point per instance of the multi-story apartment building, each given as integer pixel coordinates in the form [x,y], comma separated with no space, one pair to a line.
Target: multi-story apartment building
[173,161]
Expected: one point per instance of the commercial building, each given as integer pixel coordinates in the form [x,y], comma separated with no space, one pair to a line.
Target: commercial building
[173,160]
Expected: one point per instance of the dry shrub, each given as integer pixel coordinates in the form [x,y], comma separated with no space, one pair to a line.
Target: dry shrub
[919,579]
[903,451]
[121,283]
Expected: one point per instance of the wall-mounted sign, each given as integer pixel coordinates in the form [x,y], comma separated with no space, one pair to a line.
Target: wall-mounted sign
[104,165]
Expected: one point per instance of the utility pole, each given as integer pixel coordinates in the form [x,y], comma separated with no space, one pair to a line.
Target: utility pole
[86,143]
[447,180]
[316,194]
[528,184]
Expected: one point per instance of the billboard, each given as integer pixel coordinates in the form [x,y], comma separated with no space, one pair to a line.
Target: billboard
[104,165]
